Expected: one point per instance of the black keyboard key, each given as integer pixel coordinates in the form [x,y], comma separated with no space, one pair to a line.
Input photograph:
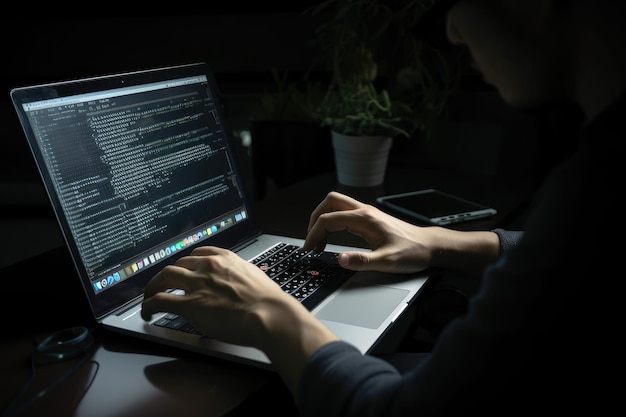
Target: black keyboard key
[176,322]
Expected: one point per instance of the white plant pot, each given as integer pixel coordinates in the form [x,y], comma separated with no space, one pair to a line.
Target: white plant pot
[361,161]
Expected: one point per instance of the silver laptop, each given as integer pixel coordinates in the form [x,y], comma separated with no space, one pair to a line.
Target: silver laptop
[139,169]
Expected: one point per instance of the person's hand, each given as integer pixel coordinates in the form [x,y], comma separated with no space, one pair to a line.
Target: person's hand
[232,300]
[223,294]
[396,246]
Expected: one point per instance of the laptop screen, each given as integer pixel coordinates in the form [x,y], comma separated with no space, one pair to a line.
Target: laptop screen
[138,167]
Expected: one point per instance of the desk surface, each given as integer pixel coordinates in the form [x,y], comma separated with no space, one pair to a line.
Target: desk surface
[132,377]
[123,377]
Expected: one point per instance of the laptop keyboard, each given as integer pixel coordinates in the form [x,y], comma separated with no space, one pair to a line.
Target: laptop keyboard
[297,271]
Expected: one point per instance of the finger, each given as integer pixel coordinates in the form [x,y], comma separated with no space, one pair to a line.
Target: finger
[350,220]
[364,261]
[161,302]
[193,261]
[316,245]
[171,276]
[208,250]
[355,261]
[334,201]
[202,258]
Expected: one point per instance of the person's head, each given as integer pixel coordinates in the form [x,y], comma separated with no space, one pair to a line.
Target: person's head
[535,52]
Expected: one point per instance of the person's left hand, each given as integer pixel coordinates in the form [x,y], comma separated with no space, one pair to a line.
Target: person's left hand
[222,294]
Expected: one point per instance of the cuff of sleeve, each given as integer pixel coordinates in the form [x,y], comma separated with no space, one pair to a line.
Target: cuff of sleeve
[508,239]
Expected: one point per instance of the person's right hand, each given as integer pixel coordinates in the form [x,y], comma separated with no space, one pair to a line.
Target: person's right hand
[396,245]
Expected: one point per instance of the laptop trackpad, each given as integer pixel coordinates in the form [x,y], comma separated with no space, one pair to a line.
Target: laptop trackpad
[364,305]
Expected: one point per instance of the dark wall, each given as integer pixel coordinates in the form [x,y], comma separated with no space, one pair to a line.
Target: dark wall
[48,49]
[482,135]
[240,46]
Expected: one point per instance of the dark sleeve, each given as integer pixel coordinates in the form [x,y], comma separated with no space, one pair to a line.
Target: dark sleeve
[364,385]
[350,379]
[479,359]
[539,333]
[508,239]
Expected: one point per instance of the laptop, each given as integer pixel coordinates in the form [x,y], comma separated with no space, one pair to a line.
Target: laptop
[140,169]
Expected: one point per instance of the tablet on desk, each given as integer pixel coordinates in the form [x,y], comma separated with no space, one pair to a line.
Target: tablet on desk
[435,207]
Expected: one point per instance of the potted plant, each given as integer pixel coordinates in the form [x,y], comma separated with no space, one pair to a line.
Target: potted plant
[290,100]
[384,83]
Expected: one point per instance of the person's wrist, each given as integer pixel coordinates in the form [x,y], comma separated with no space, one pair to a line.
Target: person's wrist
[438,246]
[285,320]
[464,251]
